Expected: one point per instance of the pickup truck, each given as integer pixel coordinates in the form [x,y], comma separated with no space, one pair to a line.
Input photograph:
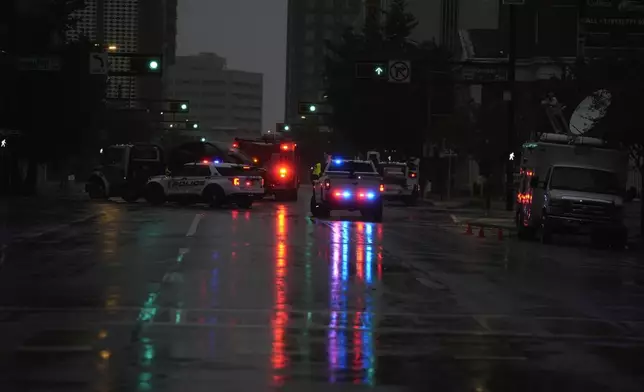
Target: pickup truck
[350,185]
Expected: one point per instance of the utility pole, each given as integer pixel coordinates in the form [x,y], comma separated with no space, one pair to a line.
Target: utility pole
[512,62]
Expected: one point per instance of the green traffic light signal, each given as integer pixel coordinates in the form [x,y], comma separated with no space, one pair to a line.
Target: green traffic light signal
[286,127]
[312,108]
[183,106]
[379,70]
[153,65]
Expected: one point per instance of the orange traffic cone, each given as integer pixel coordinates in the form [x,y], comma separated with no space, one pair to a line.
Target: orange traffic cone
[481,233]
[468,231]
[499,234]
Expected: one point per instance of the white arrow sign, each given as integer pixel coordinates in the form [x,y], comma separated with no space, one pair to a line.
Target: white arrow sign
[98,63]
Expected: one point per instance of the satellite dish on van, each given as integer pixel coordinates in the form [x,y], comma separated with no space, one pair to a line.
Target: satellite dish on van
[589,111]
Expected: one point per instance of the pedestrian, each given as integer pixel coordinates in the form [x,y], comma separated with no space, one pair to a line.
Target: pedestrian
[317,171]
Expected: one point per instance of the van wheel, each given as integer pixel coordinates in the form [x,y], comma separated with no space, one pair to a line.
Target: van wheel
[96,190]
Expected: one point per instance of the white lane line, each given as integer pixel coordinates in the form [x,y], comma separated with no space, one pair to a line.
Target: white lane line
[488,358]
[195,223]
[55,349]
[430,284]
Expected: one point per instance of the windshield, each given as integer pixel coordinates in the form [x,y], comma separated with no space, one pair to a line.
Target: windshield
[113,156]
[350,166]
[393,170]
[262,152]
[584,180]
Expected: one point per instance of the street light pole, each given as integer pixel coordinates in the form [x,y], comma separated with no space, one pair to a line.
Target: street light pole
[512,62]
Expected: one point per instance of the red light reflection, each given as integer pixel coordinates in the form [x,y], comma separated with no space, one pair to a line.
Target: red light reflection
[279,359]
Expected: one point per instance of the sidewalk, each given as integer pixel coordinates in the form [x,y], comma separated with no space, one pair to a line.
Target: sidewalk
[26,218]
[465,210]
[470,211]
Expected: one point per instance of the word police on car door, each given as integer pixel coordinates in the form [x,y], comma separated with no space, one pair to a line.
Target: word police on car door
[190,179]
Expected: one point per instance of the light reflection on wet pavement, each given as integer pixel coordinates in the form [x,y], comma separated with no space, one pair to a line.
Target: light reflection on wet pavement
[271,299]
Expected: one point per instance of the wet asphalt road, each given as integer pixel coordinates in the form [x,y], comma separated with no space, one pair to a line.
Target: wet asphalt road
[193,299]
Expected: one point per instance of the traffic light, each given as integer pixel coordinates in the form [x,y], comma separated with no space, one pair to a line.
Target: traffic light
[146,65]
[192,125]
[179,107]
[372,70]
[307,108]
[281,127]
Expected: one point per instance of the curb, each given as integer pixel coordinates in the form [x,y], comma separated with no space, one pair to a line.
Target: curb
[54,229]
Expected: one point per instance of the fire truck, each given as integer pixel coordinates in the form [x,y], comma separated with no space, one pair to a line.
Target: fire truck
[280,160]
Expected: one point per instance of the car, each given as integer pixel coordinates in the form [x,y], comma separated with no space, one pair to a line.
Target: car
[213,183]
[401,182]
[350,185]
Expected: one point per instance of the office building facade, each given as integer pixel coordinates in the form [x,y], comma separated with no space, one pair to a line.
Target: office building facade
[219,97]
[311,23]
[126,27]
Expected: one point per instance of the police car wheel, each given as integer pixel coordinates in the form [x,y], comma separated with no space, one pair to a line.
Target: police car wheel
[215,196]
[154,194]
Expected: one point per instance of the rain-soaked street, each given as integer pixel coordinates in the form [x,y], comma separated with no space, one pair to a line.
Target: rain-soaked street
[194,299]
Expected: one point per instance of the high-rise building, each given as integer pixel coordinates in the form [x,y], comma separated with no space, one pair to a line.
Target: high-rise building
[219,97]
[310,24]
[130,26]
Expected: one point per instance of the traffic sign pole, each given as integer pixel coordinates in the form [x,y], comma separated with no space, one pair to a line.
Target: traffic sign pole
[512,62]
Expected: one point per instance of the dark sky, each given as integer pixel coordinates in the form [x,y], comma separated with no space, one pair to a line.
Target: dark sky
[250,34]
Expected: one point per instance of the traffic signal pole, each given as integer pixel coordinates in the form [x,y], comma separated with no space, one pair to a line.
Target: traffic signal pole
[512,62]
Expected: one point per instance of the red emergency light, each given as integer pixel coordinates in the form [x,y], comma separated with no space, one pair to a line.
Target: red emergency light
[235,145]
[283,172]
[286,147]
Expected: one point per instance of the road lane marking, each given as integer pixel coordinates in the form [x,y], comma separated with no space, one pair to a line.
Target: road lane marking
[195,223]
[487,358]
[454,219]
[55,349]
[405,330]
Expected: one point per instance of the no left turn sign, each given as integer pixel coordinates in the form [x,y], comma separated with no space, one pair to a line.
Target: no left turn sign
[399,71]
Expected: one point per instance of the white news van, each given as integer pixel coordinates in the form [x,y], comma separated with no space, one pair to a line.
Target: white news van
[572,185]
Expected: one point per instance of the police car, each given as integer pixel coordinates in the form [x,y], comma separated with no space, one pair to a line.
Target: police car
[351,185]
[209,182]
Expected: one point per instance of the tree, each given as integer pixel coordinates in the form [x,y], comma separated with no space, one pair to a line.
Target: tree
[623,77]
[372,113]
